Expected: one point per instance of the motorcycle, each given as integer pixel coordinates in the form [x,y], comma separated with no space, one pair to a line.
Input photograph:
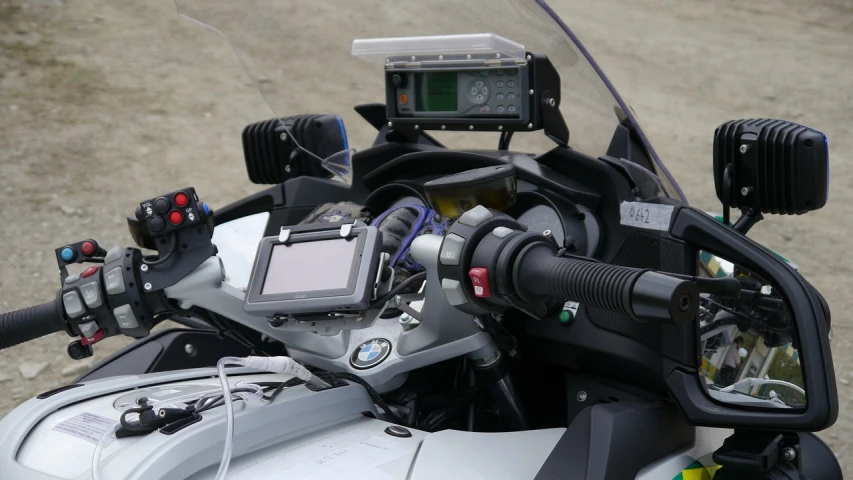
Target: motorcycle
[428,307]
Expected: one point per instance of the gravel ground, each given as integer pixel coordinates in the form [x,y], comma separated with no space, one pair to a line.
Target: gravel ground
[106,102]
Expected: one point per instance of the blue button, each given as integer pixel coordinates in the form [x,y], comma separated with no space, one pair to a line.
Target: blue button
[67,254]
[206,208]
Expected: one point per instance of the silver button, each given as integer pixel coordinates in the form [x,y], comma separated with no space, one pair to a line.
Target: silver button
[453,291]
[500,96]
[125,318]
[73,306]
[500,83]
[479,97]
[475,216]
[510,84]
[91,294]
[485,91]
[88,329]
[114,281]
[474,90]
[479,83]
[501,232]
[113,254]
[501,108]
[72,278]
[511,96]
[511,108]
[451,249]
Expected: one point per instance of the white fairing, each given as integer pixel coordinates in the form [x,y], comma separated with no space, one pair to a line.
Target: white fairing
[238,242]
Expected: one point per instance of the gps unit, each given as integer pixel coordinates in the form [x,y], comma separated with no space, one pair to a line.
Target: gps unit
[315,269]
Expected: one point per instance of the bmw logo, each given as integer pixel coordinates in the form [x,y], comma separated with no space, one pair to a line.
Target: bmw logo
[370,353]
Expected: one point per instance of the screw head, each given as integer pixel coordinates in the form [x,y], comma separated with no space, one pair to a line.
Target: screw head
[441,57]
[744,148]
[582,396]
[530,91]
[413,58]
[443,127]
[283,137]
[745,191]
[529,57]
[390,124]
[417,127]
[551,102]
[189,349]
[287,168]
[398,300]
[144,268]
[500,127]
[470,127]
[405,318]
[789,453]
[529,125]
[148,286]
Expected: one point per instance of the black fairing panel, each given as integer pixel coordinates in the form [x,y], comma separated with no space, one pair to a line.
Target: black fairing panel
[165,351]
[615,441]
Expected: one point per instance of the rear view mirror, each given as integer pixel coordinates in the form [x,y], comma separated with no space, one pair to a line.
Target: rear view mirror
[770,166]
[785,380]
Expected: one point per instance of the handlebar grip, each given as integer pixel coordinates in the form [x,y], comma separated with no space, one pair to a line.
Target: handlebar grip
[639,293]
[30,323]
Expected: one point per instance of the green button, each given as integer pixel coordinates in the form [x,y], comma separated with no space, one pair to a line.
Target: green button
[565,317]
[484,73]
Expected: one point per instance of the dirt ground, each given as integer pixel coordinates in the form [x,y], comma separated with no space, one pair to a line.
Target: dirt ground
[106,102]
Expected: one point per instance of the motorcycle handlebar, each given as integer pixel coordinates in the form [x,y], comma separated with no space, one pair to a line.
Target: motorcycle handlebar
[29,323]
[642,294]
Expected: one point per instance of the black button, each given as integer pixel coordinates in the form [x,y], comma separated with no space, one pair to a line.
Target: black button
[398,80]
[156,224]
[161,205]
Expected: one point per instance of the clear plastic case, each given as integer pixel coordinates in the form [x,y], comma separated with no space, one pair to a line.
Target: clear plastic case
[474,46]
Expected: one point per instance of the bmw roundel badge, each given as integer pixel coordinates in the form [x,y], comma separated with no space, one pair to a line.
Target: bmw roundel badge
[370,353]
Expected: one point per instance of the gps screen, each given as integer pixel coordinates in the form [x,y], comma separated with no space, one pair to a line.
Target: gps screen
[436,92]
[309,266]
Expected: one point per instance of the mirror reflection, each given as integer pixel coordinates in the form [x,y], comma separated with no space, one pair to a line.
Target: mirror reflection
[749,343]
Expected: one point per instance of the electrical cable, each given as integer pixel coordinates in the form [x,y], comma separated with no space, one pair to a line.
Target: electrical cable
[173,244]
[405,284]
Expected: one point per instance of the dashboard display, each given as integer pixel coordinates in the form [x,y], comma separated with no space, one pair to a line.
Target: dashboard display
[540,218]
[436,92]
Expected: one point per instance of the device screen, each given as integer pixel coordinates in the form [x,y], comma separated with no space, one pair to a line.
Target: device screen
[436,92]
[309,266]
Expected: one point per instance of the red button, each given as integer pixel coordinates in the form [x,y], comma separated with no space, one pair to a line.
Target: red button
[97,337]
[480,282]
[89,272]
[175,217]
[87,248]
[181,199]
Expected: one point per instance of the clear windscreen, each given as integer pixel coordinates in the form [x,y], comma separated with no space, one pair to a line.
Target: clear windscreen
[299,56]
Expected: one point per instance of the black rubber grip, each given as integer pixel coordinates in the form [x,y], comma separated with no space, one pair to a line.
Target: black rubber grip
[641,294]
[30,323]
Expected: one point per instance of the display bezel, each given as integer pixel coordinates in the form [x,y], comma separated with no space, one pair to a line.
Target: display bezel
[354,297]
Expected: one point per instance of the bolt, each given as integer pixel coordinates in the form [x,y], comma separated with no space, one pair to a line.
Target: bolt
[189,349]
[443,127]
[745,191]
[470,127]
[530,91]
[283,137]
[148,286]
[441,57]
[405,318]
[413,58]
[581,396]
[500,127]
[529,57]
[529,125]
[744,148]
[468,57]
[789,453]
[551,102]
[144,268]
[417,127]
[390,124]
[398,300]
[287,168]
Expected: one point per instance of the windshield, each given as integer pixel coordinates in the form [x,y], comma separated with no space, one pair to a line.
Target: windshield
[299,56]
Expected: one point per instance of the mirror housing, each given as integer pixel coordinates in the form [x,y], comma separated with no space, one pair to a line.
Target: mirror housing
[771,166]
[810,314]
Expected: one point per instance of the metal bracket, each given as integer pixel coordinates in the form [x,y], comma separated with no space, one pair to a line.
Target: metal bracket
[284,235]
[346,230]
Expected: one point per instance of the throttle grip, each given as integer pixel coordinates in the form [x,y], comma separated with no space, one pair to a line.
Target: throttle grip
[29,323]
[642,294]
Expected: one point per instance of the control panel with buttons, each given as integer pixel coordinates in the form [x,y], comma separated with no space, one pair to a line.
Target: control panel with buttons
[174,211]
[80,252]
[481,93]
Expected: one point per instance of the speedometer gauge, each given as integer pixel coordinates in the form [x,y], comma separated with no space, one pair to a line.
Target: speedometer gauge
[540,218]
